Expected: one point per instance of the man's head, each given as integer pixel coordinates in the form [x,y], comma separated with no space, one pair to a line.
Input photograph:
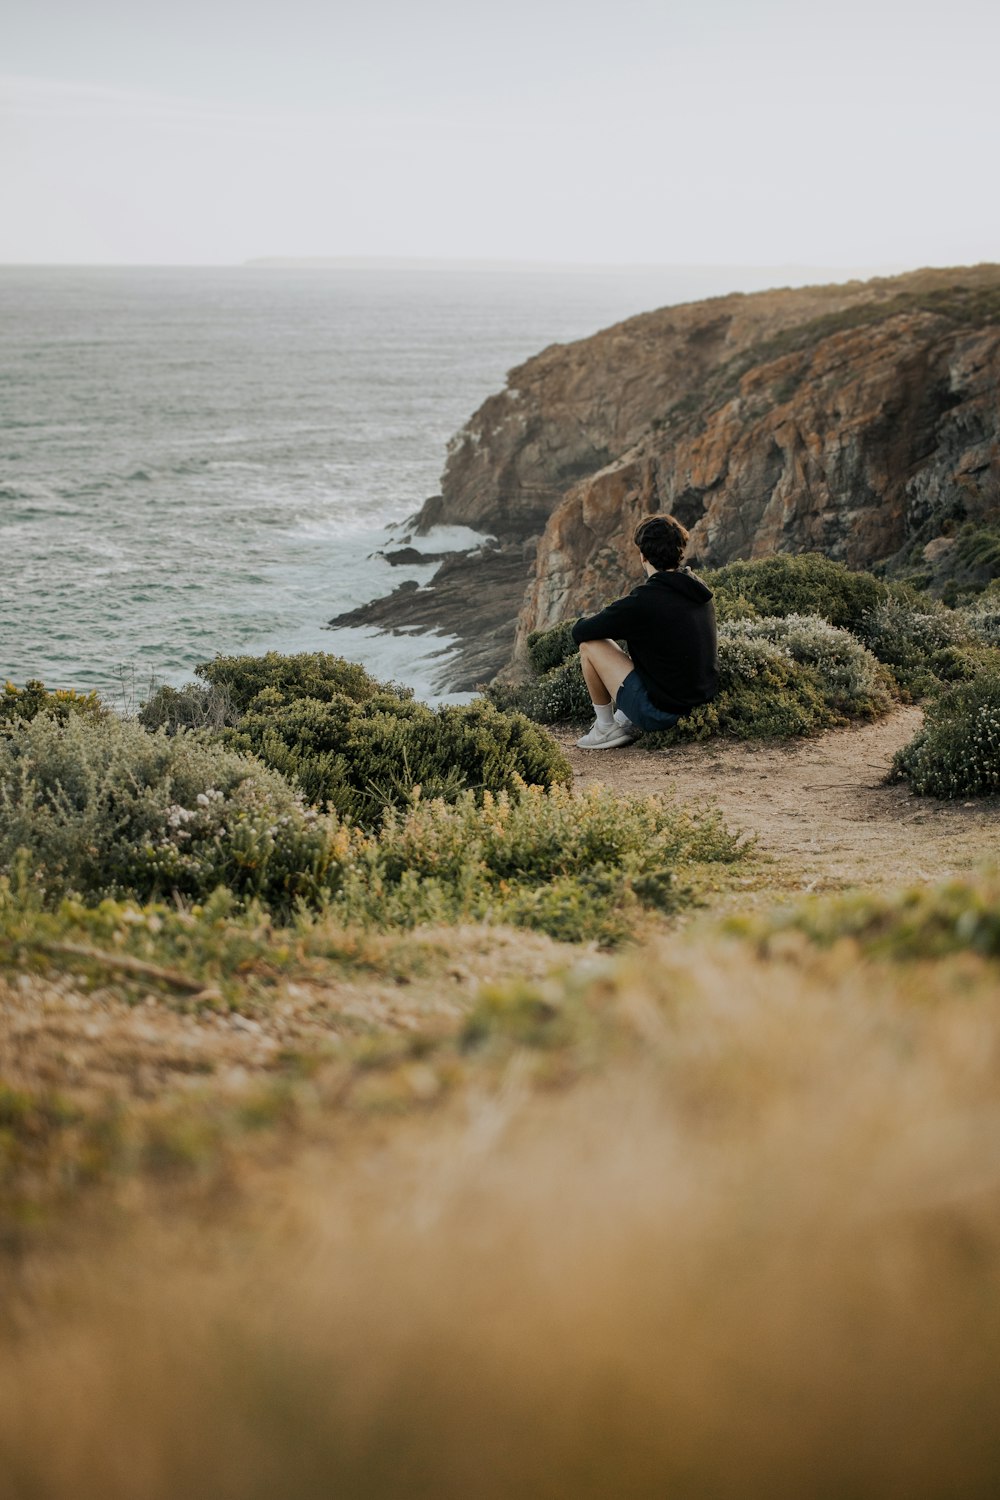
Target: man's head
[661,541]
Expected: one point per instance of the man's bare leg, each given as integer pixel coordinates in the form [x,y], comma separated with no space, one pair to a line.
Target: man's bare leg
[605,667]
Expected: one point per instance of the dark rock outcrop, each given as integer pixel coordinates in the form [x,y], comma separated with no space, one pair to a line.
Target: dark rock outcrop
[475,597]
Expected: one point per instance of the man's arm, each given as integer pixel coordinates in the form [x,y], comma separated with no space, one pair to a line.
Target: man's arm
[612,623]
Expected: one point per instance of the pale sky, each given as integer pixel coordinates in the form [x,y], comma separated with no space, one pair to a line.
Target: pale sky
[766,132]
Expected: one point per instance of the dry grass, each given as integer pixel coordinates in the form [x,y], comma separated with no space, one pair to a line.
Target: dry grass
[707,1222]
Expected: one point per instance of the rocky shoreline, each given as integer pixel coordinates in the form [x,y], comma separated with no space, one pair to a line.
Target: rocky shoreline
[475,596]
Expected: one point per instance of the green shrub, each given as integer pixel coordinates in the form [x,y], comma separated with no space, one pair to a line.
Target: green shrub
[973,563]
[21,705]
[104,808]
[777,678]
[982,619]
[957,752]
[559,697]
[353,745]
[576,867]
[314,674]
[923,642]
[358,759]
[921,922]
[550,648]
[233,684]
[780,678]
[796,584]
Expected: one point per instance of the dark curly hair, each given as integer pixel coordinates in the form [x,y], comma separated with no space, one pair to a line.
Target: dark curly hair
[661,540]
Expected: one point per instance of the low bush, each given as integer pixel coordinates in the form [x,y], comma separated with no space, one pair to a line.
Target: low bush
[957,752]
[353,745]
[923,642]
[982,619]
[104,810]
[923,922]
[550,648]
[357,759]
[577,868]
[21,705]
[778,678]
[101,807]
[796,584]
[315,674]
[971,564]
[560,696]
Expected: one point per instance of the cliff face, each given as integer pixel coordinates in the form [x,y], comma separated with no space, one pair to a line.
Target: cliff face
[858,420]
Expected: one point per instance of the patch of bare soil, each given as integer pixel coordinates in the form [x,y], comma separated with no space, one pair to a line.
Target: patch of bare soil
[57,1032]
[820,808]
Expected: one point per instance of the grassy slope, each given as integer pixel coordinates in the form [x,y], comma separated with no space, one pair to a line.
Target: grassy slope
[470,1212]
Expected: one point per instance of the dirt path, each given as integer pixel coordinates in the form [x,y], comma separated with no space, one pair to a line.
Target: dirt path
[819,807]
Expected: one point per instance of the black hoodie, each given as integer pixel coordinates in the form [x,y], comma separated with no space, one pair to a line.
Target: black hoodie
[668,626]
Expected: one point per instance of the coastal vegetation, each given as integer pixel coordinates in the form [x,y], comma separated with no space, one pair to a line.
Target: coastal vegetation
[957,752]
[402,816]
[352,745]
[806,644]
[369,1092]
[693,1166]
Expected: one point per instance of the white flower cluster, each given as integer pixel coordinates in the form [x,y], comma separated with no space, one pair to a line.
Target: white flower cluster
[847,669]
[898,632]
[957,753]
[177,816]
[982,620]
[746,656]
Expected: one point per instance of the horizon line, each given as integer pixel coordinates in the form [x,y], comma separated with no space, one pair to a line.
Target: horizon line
[444,263]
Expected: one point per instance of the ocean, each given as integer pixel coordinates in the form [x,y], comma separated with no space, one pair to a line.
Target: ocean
[205,461]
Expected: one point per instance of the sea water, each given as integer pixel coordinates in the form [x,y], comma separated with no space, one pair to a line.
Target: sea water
[205,461]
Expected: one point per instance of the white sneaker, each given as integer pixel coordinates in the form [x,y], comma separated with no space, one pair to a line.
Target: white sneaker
[597,738]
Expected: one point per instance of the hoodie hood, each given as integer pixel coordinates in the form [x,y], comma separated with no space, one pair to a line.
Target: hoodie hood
[682,581]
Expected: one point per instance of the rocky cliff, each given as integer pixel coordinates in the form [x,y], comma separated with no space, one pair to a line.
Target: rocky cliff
[861,420]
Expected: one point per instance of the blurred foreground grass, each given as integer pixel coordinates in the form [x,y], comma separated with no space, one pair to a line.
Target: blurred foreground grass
[462,1213]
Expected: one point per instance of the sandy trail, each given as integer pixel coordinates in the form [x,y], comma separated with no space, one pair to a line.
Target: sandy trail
[820,808]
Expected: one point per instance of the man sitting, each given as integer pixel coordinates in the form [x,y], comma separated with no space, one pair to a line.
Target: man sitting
[668,625]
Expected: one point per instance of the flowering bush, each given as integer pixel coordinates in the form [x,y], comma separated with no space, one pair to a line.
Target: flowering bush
[923,642]
[103,808]
[957,753]
[576,867]
[108,810]
[982,619]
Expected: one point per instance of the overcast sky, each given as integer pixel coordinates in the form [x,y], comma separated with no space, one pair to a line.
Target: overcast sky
[671,131]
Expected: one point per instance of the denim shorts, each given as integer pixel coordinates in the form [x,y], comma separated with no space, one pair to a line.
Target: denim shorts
[634,700]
